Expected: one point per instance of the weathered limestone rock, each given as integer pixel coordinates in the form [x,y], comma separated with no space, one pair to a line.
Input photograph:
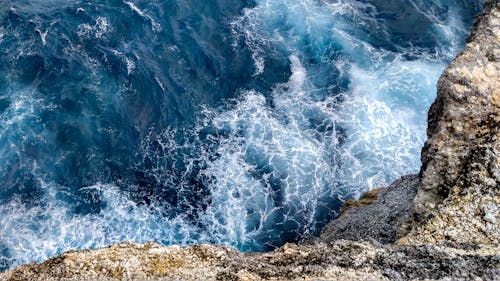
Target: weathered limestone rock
[459,196]
[341,260]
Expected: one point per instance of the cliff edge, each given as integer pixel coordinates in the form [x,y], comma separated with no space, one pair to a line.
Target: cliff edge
[459,195]
[441,225]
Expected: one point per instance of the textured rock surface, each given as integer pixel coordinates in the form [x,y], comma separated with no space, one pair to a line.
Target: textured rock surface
[380,221]
[459,196]
[341,260]
[456,207]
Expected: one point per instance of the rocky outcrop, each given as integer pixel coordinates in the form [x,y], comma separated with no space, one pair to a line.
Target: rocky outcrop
[341,260]
[380,221]
[459,195]
[453,229]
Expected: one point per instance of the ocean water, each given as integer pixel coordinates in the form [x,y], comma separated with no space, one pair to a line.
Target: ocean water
[245,123]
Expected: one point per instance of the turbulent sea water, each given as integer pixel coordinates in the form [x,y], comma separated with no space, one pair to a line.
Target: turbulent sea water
[244,123]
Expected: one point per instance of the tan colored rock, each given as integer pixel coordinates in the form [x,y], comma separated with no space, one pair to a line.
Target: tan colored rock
[459,194]
[341,260]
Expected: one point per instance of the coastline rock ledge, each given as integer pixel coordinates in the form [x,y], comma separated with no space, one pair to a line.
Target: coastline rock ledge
[443,224]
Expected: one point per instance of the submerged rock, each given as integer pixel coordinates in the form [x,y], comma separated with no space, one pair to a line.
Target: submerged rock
[454,231]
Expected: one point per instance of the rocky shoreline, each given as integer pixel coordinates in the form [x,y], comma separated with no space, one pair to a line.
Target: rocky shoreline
[443,224]
[338,260]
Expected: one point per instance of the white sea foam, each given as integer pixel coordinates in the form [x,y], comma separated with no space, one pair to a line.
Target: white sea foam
[36,233]
[43,36]
[385,116]
[270,168]
[135,8]
[130,65]
[100,27]
[271,160]
[160,83]
[154,24]
[384,109]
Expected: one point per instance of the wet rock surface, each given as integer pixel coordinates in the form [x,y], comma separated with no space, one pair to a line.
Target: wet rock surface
[453,228]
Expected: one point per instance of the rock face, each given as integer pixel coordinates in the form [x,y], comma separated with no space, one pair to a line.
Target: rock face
[459,196]
[380,221]
[452,222]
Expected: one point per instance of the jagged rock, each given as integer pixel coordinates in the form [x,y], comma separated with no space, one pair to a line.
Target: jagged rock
[459,194]
[379,221]
[340,260]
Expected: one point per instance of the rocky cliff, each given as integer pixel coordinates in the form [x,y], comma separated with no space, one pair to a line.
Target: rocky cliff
[459,195]
[442,224]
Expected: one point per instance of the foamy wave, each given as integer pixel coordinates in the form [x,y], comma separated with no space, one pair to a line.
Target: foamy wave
[271,166]
[99,29]
[154,24]
[383,109]
[33,233]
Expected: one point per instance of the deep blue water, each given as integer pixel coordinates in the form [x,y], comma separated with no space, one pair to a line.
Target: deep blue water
[245,123]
